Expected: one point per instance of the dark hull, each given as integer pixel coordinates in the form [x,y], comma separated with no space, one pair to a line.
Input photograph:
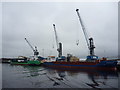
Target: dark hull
[103,65]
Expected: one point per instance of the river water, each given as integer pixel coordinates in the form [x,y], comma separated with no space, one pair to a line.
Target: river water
[16,76]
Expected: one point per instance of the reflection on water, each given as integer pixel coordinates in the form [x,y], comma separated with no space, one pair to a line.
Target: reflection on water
[95,83]
[61,74]
[42,77]
[93,76]
[33,70]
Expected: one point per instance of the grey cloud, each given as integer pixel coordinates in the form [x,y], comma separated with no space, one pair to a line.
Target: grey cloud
[34,21]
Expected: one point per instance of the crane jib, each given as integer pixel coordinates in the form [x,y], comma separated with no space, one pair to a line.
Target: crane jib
[83,28]
[89,41]
[59,44]
[34,50]
[56,37]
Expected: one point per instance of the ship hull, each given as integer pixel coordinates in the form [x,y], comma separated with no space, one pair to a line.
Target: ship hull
[102,65]
[32,63]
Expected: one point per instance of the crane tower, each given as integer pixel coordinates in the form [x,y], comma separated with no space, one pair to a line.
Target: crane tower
[89,40]
[59,44]
[35,51]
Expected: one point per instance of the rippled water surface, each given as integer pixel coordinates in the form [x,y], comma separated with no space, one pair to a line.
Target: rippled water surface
[14,76]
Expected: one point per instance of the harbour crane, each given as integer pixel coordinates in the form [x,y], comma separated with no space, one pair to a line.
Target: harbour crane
[59,44]
[89,40]
[35,51]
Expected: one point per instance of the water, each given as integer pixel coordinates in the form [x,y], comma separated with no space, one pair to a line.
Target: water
[14,76]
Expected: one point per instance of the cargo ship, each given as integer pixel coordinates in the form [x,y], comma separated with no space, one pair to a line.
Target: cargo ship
[97,65]
[34,60]
[24,61]
[92,61]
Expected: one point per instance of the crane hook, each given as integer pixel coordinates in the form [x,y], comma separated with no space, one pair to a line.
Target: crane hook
[77,42]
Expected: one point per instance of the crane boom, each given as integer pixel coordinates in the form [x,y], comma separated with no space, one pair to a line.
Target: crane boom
[83,28]
[29,44]
[59,44]
[89,40]
[56,37]
[34,50]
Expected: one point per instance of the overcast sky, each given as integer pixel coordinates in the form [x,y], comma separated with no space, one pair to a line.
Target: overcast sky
[34,20]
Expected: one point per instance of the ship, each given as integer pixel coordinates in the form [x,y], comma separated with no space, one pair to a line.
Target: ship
[73,63]
[34,60]
[97,65]
[92,61]
[25,61]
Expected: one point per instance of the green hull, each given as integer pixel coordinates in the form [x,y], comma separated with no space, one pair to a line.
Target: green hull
[35,62]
